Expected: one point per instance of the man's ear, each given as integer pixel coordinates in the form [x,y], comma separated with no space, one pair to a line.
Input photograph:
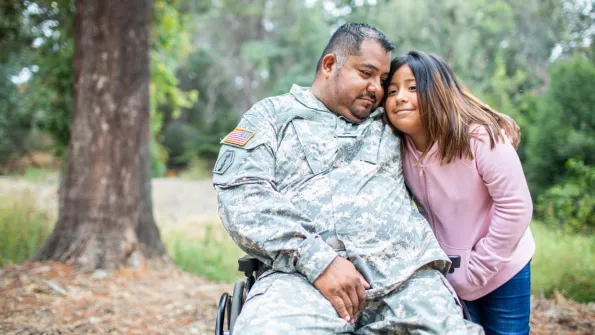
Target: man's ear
[329,63]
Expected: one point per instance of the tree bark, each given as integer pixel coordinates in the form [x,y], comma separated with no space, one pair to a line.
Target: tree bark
[105,215]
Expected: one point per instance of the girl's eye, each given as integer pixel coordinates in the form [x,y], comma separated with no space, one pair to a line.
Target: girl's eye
[367,73]
[392,92]
[412,88]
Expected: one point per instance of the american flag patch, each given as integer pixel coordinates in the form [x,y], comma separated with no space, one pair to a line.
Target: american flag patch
[239,136]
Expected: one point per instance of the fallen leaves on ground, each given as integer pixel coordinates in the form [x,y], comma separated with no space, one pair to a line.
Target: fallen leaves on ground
[51,299]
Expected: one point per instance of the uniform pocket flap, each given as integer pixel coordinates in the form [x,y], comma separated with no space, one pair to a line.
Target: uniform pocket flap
[319,154]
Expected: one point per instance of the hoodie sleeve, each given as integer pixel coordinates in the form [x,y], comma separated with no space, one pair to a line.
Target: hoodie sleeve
[502,173]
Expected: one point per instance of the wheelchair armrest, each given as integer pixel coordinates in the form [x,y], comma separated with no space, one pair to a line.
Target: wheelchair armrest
[248,264]
[456,263]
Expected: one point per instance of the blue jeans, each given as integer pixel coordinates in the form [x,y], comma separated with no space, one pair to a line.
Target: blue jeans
[506,310]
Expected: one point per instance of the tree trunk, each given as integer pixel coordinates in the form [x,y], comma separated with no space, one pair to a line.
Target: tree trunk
[106,217]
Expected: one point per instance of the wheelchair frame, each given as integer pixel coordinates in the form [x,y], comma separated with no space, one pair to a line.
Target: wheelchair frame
[230,306]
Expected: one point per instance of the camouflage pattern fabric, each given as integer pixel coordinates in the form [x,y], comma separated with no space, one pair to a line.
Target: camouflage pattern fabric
[288,304]
[298,185]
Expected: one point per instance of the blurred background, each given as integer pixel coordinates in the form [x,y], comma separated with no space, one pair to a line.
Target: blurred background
[211,60]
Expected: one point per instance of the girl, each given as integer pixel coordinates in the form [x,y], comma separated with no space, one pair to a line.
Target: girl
[469,184]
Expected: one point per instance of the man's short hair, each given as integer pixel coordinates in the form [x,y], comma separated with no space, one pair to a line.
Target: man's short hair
[347,41]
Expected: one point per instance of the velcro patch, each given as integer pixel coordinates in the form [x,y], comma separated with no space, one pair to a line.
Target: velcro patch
[224,162]
[239,137]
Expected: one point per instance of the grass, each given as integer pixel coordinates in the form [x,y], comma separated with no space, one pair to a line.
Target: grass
[206,251]
[563,262]
[22,230]
[41,175]
[37,175]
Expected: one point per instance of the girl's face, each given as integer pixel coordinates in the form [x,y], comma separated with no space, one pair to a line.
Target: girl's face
[401,103]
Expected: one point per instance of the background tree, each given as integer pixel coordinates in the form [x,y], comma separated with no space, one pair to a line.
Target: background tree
[105,217]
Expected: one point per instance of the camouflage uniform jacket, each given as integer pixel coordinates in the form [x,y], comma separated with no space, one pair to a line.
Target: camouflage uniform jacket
[298,185]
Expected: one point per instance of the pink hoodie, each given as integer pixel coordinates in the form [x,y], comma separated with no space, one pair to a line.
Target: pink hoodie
[479,209]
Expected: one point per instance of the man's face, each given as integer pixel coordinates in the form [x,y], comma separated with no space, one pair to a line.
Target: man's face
[356,87]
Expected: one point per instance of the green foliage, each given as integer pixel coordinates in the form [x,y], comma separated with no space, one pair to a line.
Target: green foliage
[47,97]
[170,46]
[570,205]
[205,142]
[564,124]
[22,230]
[235,54]
[176,138]
[572,87]
[238,60]
[45,100]
[563,262]
[211,255]
[158,158]
[15,120]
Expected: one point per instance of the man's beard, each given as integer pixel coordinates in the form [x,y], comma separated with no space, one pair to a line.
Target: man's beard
[344,100]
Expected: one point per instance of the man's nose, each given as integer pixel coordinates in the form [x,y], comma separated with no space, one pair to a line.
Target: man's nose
[375,86]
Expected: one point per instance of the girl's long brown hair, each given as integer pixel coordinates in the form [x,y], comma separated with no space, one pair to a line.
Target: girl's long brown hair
[447,109]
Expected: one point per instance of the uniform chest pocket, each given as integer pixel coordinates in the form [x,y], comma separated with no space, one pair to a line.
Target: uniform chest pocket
[318,144]
[368,148]
[360,146]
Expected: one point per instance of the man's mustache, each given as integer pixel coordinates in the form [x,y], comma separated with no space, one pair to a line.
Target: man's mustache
[368,96]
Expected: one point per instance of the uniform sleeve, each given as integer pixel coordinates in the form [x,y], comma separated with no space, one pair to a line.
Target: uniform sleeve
[503,175]
[261,220]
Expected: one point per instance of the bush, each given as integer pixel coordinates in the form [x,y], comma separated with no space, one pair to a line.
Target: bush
[570,205]
[158,159]
[175,140]
[563,125]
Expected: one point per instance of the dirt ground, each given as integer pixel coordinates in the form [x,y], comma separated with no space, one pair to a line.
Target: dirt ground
[53,299]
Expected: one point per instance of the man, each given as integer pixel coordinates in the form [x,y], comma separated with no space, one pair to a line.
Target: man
[311,184]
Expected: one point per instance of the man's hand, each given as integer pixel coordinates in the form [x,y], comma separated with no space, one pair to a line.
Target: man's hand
[344,287]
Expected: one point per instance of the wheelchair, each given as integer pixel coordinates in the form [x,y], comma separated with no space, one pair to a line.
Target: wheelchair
[230,306]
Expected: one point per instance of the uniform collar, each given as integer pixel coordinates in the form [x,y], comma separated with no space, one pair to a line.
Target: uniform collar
[306,98]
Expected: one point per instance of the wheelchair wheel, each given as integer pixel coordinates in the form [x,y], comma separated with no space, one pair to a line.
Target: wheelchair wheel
[237,302]
[223,308]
